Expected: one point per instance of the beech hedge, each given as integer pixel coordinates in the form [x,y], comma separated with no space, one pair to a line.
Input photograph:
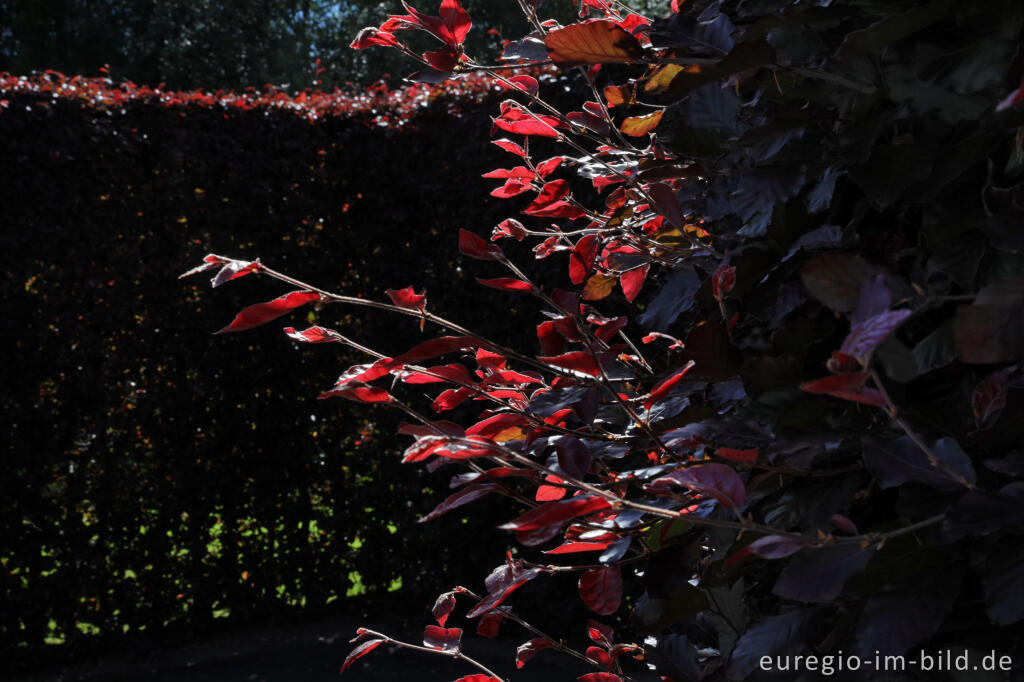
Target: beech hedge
[155,489]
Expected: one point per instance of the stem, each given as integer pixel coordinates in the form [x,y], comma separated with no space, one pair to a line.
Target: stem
[452,654]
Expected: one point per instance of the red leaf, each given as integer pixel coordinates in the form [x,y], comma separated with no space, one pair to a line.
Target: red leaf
[443,607]
[601,589]
[522,122]
[366,373]
[468,494]
[510,146]
[551,341]
[313,335]
[359,393]
[506,284]
[746,456]
[581,258]
[716,480]
[489,623]
[662,389]
[435,347]
[370,36]
[455,19]
[527,84]
[592,42]
[451,399]
[445,639]
[990,396]
[261,313]
[549,193]
[574,547]
[496,424]
[557,209]
[510,228]
[507,376]
[600,633]
[632,281]
[513,187]
[846,387]
[550,493]
[521,172]
[454,372]
[501,584]
[578,361]
[210,261]
[599,656]
[526,651]
[488,360]
[478,677]
[234,270]
[443,59]
[554,513]
[866,336]
[407,298]
[360,651]
[598,677]
[475,247]
[723,281]
[548,166]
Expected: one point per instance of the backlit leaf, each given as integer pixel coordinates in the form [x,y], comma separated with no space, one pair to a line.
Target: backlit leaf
[261,313]
[444,639]
[638,126]
[592,42]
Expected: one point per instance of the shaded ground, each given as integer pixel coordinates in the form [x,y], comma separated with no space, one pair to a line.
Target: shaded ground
[314,654]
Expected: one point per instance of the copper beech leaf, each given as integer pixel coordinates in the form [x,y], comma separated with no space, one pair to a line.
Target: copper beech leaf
[261,313]
[502,582]
[506,284]
[444,639]
[464,496]
[638,126]
[478,677]
[592,42]
[990,396]
[313,335]
[443,607]
[866,336]
[601,589]
[360,651]
[598,287]
[599,677]
[527,650]
[475,247]
[846,387]
[717,480]
[557,513]
[579,361]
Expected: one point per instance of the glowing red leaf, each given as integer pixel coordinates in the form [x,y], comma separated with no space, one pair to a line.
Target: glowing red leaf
[549,193]
[663,388]
[261,313]
[313,335]
[527,84]
[436,347]
[453,372]
[495,424]
[510,227]
[846,387]
[407,298]
[598,677]
[445,639]
[554,513]
[632,281]
[358,393]
[600,633]
[455,19]
[592,42]
[506,284]
[574,547]
[443,607]
[581,258]
[578,361]
[510,146]
[501,584]
[513,187]
[360,651]
[526,651]
[475,247]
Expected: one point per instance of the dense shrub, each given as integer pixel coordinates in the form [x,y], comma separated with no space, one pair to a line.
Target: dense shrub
[154,487]
[817,206]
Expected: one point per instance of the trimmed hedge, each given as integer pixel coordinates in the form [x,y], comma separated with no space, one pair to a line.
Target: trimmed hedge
[138,510]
